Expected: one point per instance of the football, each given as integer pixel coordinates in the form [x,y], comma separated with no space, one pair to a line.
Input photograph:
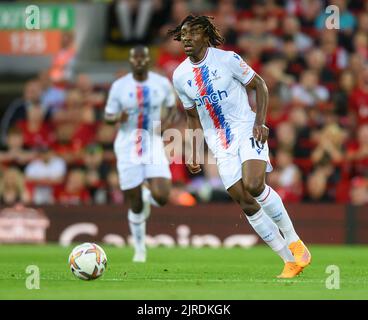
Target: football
[88,261]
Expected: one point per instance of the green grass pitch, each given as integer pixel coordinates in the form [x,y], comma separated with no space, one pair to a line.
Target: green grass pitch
[178,273]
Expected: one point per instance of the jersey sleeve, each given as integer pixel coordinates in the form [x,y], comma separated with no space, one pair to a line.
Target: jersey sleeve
[170,99]
[113,105]
[187,102]
[239,68]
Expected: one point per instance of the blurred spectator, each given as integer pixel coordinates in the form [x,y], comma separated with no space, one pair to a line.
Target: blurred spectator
[43,174]
[52,98]
[309,93]
[170,55]
[307,11]
[363,22]
[337,56]
[329,149]
[257,35]
[75,190]
[12,188]
[64,146]
[295,62]
[95,171]
[268,12]
[356,64]
[360,43]
[286,136]
[278,82]
[277,113]
[105,136]
[114,194]
[36,132]
[71,110]
[358,102]
[225,20]
[316,61]
[179,10]
[359,191]
[18,108]
[286,177]
[80,118]
[15,153]
[84,85]
[316,188]
[61,70]
[341,96]
[358,151]
[291,28]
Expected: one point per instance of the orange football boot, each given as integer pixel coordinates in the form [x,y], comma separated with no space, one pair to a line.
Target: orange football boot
[301,253]
[291,270]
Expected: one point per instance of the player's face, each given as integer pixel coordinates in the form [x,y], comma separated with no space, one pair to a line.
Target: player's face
[193,39]
[139,60]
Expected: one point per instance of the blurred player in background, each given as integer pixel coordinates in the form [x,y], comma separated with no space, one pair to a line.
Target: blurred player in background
[135,101]
[211,84]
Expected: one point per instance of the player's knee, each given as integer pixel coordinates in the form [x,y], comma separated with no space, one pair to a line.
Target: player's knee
[254,186]
[161,197]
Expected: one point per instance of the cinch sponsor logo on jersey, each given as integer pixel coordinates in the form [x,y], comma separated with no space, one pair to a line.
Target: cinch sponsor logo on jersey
[210,99]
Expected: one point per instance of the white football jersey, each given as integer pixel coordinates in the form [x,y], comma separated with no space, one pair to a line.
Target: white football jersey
[142,101]
[216,87]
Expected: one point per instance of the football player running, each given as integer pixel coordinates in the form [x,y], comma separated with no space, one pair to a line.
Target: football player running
[135,102]
[211,84]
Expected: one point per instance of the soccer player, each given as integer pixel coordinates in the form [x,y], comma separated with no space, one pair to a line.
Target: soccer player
[211,84]
[135,101]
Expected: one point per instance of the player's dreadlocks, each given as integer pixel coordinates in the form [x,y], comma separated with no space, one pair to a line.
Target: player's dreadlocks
[215,39]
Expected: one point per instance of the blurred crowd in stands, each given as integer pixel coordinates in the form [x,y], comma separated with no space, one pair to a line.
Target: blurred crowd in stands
[57,149]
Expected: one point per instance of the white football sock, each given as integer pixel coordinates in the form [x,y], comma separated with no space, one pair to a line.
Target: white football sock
[270,234]
[272,205]
[137,226]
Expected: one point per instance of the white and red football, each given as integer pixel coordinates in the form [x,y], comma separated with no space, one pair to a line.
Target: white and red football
[88,261]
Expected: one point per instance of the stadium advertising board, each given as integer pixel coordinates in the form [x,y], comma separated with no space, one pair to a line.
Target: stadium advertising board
[18,39]
[213,225]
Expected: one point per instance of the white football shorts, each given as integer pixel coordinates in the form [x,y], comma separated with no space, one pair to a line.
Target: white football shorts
[133,172]
[230,165]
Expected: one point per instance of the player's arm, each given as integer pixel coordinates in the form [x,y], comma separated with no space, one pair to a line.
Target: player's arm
[113,109]
[169,118]
[112,118]
[170,104]
[194,124]
[260,130]
[251,80]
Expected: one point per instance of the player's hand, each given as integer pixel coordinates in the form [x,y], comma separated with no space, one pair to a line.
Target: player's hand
[260,133]
[194,168]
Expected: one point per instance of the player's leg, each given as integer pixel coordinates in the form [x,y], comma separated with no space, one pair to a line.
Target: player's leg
[260,222]
[229,168]
[137,216]
[160,190]
[270,201]
[131,178]
[158,175]
[253,172]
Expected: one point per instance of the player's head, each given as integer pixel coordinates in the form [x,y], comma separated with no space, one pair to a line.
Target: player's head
[139,59]
[196,33]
